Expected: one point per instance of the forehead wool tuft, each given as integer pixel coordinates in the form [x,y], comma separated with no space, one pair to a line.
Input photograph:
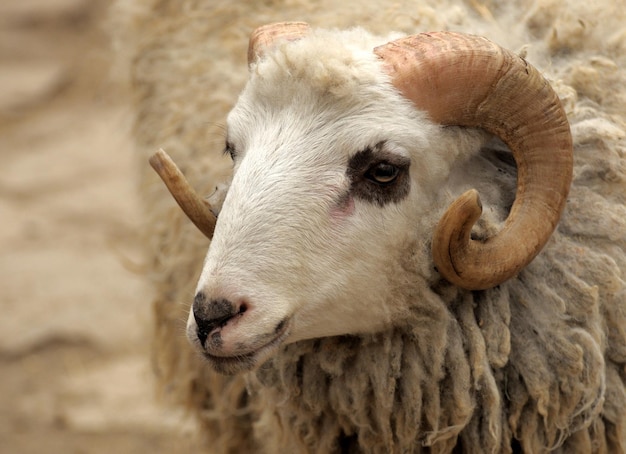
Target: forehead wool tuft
[327,61]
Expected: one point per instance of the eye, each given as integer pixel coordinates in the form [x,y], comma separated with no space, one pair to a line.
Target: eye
[230,149]
[382,173]
[378,175]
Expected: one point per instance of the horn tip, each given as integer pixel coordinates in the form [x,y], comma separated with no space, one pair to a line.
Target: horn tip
[158,158]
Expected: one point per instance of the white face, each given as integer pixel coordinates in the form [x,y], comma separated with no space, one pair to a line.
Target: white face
[326,199]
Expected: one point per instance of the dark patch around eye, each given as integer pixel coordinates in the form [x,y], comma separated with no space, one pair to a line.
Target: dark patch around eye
[362,186]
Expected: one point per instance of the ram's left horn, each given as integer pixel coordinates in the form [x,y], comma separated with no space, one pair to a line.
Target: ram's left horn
[197,209]
[466,80]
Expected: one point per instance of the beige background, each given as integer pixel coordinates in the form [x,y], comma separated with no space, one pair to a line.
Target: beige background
[74,312]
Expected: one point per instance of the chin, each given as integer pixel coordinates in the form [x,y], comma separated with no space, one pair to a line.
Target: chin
[248,360]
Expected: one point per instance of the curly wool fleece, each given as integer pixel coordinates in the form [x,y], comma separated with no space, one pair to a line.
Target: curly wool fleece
[537,364]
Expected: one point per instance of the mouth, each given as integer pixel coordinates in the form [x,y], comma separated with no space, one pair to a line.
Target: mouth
[245,362]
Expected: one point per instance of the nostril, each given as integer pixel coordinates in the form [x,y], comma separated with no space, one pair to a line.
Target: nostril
[202,334]
[212,314]
[202,328]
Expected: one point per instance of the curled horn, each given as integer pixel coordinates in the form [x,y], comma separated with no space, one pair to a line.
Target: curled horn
[467,80]
[265,36]
[197,209]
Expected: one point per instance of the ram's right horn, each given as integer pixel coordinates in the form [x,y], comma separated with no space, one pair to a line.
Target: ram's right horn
[197,209]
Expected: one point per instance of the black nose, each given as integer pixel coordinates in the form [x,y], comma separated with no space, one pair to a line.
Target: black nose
[211,314]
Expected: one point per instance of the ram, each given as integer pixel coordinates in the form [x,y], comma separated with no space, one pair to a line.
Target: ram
[367,298]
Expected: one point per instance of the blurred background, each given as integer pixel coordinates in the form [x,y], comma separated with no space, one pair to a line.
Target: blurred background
[74,311]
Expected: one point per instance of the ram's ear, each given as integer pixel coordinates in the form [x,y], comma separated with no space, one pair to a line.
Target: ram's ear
[216,200]
[268,35]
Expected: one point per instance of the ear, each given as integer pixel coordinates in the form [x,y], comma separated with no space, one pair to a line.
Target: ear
[216,200]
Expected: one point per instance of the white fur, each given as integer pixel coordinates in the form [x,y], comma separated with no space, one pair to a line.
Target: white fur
[308,107]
